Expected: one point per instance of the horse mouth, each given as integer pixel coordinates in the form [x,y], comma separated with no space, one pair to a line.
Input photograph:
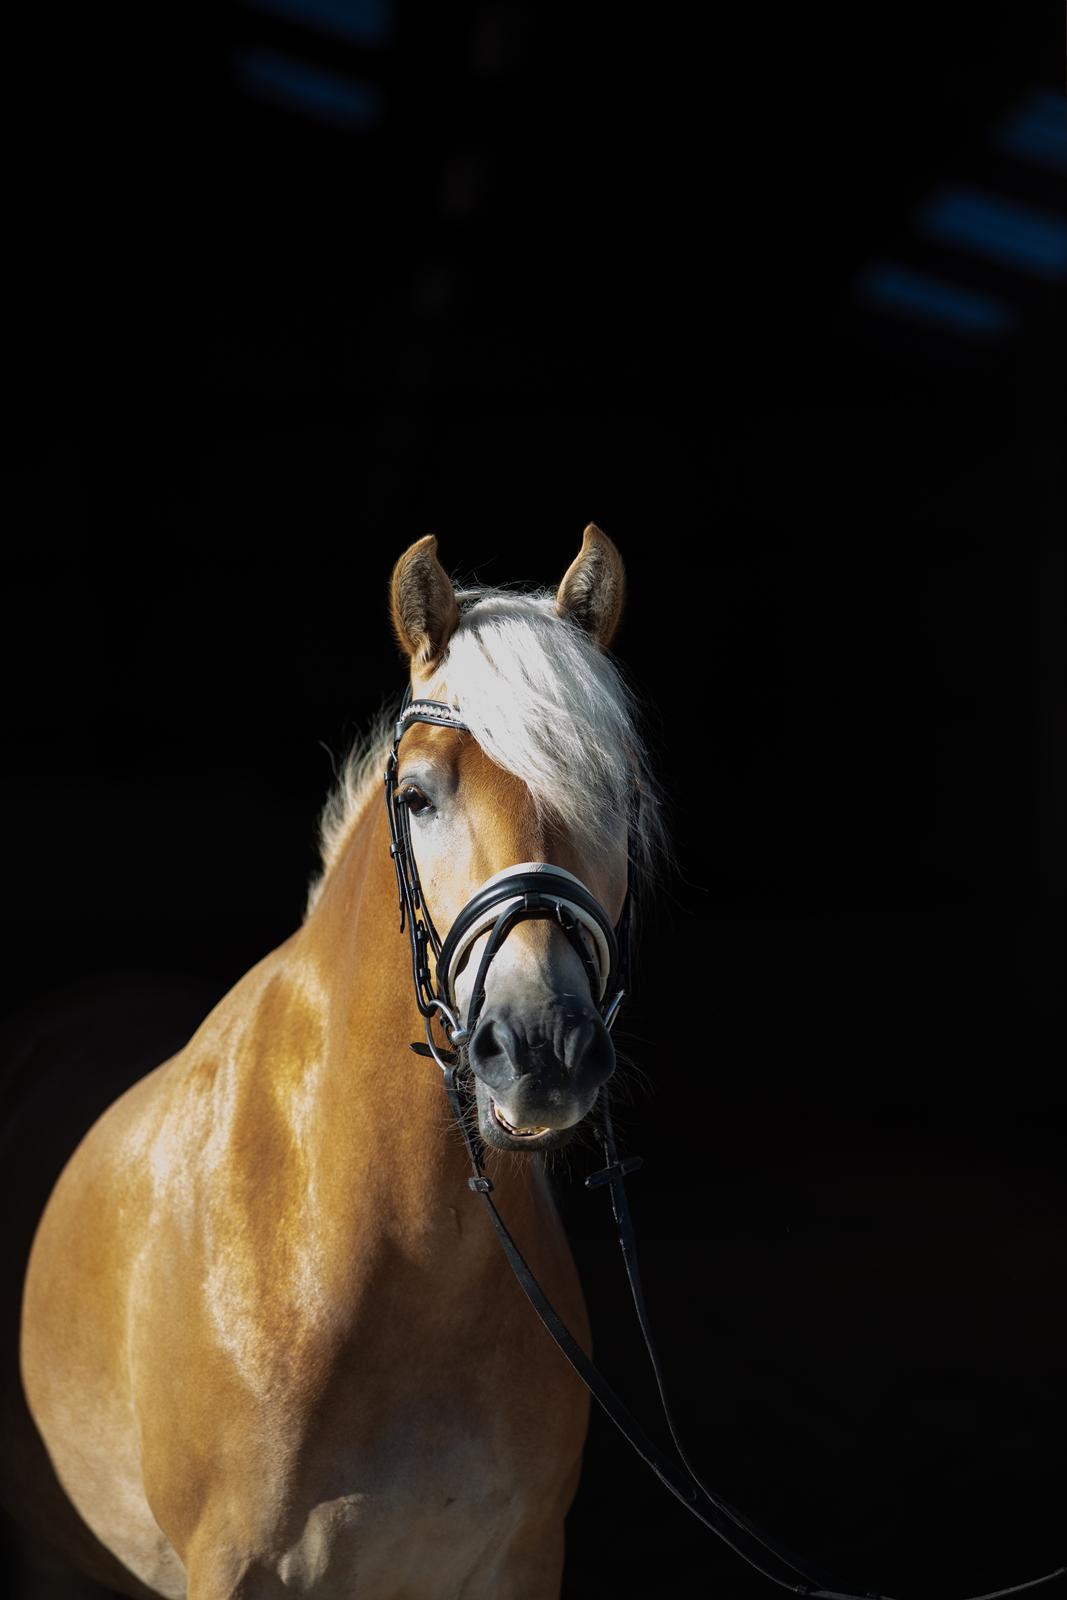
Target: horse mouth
[509,1128]
[501,1133]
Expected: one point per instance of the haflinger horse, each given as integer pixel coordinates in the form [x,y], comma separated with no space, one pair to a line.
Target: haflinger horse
[268,1339]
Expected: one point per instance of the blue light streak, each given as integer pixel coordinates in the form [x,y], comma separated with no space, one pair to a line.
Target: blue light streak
[1006,231]
[313,91]
[969,313]
[1036,130]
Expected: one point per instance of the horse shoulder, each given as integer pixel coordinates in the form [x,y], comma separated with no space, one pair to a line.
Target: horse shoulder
[143,1251]
[75,1342]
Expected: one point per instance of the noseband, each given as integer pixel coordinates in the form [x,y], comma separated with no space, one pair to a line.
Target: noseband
[528,891]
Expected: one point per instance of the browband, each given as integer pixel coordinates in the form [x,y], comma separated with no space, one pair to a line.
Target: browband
[428,711]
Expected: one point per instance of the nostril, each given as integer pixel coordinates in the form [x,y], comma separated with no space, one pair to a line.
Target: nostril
[489,1052]
[590,1053]
[573,1041]
[552,1058]
[484,1043]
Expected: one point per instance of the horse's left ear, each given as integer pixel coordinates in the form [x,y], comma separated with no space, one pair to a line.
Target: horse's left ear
[593,587]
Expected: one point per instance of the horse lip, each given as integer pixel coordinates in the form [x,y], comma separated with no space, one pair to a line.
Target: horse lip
[511,1130]
[495,1126]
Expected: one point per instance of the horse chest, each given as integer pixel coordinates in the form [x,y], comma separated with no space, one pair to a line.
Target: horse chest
[440,1502]
[458,1446]
[409,1539]
[424,1470]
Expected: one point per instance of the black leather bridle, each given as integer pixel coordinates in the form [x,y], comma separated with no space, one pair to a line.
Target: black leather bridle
[537,890]
[527,891]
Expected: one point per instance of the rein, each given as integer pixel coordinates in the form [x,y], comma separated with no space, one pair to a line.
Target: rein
[537,890]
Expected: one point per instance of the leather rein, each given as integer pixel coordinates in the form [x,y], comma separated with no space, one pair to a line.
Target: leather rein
[538,890]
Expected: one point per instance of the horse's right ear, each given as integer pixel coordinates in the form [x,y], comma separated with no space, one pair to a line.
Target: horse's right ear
[423,604]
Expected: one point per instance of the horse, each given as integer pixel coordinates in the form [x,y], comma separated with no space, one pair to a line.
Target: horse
[268,1343]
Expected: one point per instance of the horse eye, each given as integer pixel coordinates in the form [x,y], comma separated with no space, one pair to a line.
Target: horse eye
[413,797]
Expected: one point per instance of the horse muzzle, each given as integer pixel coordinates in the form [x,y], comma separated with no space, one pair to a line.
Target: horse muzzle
[538,1076]
[538,1061]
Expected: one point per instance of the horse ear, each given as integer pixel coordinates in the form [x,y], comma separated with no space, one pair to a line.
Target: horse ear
[593,586]
[423,603]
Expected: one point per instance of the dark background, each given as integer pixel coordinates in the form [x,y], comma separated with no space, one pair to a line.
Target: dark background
[291,284]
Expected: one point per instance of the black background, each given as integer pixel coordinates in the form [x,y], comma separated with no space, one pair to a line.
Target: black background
[604,264]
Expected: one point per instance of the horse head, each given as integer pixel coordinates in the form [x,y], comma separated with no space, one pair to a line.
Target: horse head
[522,799]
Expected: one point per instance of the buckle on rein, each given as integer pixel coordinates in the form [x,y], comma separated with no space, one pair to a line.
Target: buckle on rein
[615,1169]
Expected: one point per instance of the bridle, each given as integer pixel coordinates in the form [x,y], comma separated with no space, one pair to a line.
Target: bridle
[532,890]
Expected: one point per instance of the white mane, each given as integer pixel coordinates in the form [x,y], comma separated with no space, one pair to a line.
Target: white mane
[545,704]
